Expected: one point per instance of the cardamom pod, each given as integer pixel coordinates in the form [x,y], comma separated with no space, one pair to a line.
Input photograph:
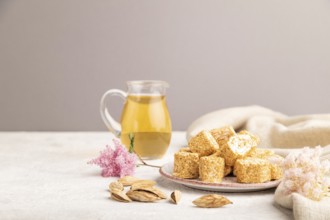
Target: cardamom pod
[151,189]
[142,196]
[142,183]
[211,201]
[176,196]
[128,180]
[116,186]
[120,196]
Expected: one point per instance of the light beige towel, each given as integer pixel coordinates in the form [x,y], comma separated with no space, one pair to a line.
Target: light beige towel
[304,208]
[276,130]
[283,134]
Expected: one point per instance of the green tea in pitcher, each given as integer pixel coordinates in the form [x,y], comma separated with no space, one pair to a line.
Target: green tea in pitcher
[147,118]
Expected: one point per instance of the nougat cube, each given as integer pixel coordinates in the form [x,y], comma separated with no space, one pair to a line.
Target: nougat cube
[275,166]
[186,165]
[254,137]
[218,153]
[252,170]
[211,169]
[185,149]
[227,170]
[203,143]
[239,146]
[222,135]
[276,172]
[261,153]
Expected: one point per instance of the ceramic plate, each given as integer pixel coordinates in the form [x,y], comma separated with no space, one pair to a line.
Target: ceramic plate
[228,184]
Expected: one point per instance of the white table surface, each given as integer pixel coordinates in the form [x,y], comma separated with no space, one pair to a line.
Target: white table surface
[45,176]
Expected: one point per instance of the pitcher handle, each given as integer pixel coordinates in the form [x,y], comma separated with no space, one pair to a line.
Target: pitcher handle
[108,120]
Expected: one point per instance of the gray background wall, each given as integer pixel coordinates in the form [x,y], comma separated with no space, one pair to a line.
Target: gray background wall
[58,57]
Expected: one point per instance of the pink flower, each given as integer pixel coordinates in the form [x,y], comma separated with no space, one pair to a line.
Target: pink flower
[118,162]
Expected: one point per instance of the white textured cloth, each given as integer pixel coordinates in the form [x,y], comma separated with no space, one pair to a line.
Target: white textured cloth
[45,176]
[308,209]
[303,208]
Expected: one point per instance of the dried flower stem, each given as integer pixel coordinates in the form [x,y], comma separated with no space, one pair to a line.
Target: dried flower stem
[144,163]
[131,150]
[131,143]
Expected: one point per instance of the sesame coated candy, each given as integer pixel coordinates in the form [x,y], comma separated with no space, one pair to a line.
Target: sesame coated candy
[186,165]
[211,169]
[203,143]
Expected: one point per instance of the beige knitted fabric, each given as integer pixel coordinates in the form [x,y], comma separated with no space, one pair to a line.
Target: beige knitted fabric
[283,134]
[302,207]
[273,128]
[305,209]
[237,117]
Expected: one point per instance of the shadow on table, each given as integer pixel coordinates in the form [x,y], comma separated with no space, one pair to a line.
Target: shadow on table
[285,211]
[91,173]
[171,186]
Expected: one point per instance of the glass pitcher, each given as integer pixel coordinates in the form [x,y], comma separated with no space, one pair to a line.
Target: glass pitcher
[145,115]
